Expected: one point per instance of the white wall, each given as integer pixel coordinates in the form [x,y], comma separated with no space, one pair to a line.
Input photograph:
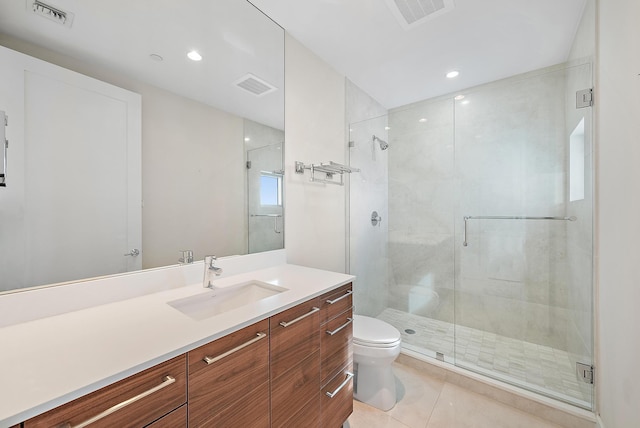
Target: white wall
[618,149]
[315,132]
[193,179]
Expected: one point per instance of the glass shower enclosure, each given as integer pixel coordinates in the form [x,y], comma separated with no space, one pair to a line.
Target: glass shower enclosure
[483,257]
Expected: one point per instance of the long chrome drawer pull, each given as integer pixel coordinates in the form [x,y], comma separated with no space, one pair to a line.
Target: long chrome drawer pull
[342,385]
[211,360]
[331,333]
[311,312]
[349,293]
[166,381]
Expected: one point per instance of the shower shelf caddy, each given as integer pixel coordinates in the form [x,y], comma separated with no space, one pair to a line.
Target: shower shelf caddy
[329,169]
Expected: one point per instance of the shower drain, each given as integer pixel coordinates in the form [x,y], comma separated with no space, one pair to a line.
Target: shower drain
[409,331]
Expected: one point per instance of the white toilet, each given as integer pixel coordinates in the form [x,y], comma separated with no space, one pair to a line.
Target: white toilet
[376,344]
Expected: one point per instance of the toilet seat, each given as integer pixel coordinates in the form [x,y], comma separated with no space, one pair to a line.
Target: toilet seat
[374,333]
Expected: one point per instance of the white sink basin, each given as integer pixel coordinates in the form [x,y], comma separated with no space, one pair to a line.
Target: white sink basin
[220,300]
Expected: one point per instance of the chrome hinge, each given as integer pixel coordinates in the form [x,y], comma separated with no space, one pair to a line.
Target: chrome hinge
[248,164]
[585,372]
[584,98]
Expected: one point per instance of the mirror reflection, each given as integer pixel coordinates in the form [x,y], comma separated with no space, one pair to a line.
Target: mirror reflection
[124,151]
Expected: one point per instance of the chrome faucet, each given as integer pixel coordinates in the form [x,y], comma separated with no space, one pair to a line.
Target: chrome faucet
[209,266]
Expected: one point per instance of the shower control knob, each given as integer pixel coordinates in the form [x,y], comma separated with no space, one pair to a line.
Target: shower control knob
[375,219]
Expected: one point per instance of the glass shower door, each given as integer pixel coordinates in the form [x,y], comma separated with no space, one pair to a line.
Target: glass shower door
[523,250]
[264,194]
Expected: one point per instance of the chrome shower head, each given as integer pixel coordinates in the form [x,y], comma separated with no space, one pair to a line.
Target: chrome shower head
[383,144]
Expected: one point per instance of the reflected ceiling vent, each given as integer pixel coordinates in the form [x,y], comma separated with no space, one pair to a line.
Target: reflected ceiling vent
[411,13]
[53,13]
[255,85]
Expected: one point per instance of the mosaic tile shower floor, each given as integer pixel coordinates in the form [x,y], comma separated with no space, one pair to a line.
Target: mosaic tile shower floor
[539,367]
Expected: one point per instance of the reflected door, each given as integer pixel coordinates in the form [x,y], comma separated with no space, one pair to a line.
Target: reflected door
[77,194]
[264,181]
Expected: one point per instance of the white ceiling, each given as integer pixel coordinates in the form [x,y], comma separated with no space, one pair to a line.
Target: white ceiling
[485,40]
[120,35]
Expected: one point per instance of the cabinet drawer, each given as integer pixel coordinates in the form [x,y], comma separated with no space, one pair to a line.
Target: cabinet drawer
[293,390]
[337,408]
[295,335]
[241,365]
[335,302]
[166,384]
[336,350]
[175,419]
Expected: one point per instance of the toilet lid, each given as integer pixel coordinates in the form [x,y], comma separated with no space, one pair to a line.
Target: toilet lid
[374,332]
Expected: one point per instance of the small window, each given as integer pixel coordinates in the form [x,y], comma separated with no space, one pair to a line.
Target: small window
[270,189]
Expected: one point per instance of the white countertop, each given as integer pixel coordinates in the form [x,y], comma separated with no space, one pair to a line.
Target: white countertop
[50,361]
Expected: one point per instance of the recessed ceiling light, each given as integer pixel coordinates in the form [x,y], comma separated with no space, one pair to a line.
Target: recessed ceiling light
[247,139]
[156,57]
[386,128]
[458,97]
[423,120]
[452,74]
[194,56]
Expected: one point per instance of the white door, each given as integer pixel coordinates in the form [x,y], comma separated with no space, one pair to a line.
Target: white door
[81,169]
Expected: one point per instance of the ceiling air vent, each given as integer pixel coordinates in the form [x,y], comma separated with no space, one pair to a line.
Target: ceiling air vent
[255,85]
[411,13]
[50,12]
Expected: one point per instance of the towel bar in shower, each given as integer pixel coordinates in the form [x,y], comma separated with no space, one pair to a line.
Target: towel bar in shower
[275,220]
[498,217]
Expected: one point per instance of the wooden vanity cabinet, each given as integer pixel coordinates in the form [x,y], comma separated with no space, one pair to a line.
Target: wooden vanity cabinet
[291,370]
[229,380]
[149,395]
[295,366]
[175,419]
[336,350]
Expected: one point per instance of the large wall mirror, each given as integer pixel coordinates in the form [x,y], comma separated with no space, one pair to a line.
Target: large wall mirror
[137,130]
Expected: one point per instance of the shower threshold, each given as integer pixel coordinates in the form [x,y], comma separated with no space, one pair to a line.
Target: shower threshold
[538,368]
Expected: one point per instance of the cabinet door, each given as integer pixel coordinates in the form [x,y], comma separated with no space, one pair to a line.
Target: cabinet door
[149,395]
[337,399]
[229,376]
[294,336]
[336,345]
[294,389]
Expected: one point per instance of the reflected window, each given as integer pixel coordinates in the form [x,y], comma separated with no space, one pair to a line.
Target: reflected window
[270,189]
[576,163]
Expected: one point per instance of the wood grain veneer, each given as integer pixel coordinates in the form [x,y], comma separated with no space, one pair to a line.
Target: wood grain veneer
[329,311]
[336,351]
[175,419]
[336,410]
[292,344]
[294,389]
[215,387]
[138,414]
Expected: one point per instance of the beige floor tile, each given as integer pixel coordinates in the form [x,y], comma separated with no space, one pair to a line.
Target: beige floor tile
[417,396]
[459,408]
[365,416]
